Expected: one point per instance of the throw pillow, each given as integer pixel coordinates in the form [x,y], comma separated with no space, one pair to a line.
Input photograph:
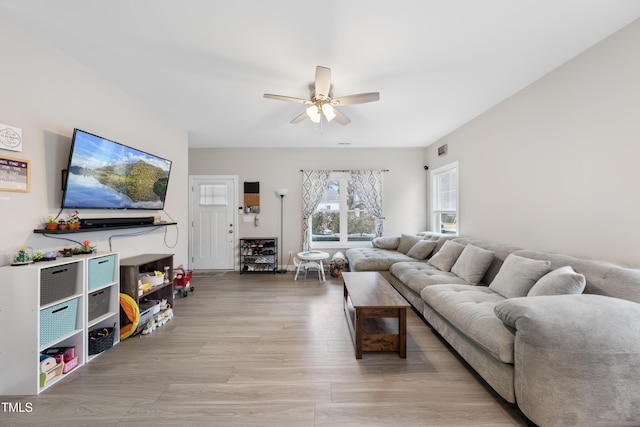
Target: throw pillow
[422,249]
[472,263]
[447,255]
[386,242]
[517,275]
[561,281]
[406,242]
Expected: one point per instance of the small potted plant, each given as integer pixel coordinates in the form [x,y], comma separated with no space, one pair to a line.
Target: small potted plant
[38,255]
[87,248]
[22,257]
[62,224]
[51,223]
[74,221]
[66,252]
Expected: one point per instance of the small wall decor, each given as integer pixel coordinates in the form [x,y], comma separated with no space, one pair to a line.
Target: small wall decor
[14,175]
[10,138]
[252,197]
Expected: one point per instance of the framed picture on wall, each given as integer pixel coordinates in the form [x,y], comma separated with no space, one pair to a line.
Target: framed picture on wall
[14,174]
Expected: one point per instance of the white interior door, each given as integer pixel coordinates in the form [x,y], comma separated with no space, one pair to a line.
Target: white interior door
[213,225]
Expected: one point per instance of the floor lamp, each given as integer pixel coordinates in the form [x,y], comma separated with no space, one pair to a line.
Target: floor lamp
[281,192]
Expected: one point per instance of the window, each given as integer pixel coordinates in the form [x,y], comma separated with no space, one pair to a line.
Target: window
[213,194]
[341,215]
[445,199]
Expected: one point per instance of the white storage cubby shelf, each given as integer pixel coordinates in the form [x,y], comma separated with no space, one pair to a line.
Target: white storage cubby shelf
[54,304]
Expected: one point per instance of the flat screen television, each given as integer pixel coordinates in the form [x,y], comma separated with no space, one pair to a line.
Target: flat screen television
[104,174]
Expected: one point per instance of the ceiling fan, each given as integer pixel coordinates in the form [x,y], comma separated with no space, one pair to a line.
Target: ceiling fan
[322,103]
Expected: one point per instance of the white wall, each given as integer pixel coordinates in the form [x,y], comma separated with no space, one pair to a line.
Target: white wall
[404,186]
[555,167]
[47,94]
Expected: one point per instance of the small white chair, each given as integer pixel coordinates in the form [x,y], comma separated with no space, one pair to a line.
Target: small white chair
[306,266]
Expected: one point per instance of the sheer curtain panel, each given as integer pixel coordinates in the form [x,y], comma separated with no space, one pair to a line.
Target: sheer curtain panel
[368,185]
[314,182]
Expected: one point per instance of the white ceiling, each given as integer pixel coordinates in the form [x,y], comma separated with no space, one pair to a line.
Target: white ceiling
[205,64]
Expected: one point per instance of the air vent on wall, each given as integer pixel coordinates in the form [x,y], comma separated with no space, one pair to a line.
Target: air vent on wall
[442,150]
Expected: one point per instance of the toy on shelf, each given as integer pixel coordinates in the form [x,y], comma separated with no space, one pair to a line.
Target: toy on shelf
[49,369]
[55,362]
[181,278]
[149,327]
[65,355]
[164,314]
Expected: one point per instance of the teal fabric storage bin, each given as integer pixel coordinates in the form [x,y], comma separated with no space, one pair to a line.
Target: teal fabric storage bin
[58,320]
[101,271]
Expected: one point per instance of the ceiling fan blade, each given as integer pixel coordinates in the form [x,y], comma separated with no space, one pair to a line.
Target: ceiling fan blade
[341,118]
[323,82]
[287,98]
[360,98]
[300,117]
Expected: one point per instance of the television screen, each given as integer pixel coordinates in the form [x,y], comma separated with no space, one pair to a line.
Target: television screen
[104,174]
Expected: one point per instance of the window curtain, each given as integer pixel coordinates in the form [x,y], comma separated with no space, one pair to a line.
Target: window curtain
[368,185]
[314,182]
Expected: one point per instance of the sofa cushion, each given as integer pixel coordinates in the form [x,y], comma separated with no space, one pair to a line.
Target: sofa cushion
[439,238]
[470,309]
[374,259]
[418,275]
[472,263]
[447,255]
[517,275]
[500,253]
[603,278]
[386,242]
[561,281]
[406,242]
[422,249]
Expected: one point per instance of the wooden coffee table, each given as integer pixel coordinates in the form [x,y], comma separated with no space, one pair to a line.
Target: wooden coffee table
[376,313]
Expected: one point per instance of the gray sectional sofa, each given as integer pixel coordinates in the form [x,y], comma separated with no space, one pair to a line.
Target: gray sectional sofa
[557,335]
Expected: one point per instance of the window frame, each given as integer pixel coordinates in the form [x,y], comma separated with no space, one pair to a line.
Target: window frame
[436,211]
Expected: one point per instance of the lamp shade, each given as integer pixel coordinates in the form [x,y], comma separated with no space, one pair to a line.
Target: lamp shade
[281,192]
[314,113]
[327,110]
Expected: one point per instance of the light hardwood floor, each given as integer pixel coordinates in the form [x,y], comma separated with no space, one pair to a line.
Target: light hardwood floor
[265,350]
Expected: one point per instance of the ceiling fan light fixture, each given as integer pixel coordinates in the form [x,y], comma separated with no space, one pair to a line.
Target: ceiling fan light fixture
[327,110]
[314,113]
[321,101]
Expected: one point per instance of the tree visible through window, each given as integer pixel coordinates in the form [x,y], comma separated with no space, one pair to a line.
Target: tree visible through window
[445,199]
[341,205]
